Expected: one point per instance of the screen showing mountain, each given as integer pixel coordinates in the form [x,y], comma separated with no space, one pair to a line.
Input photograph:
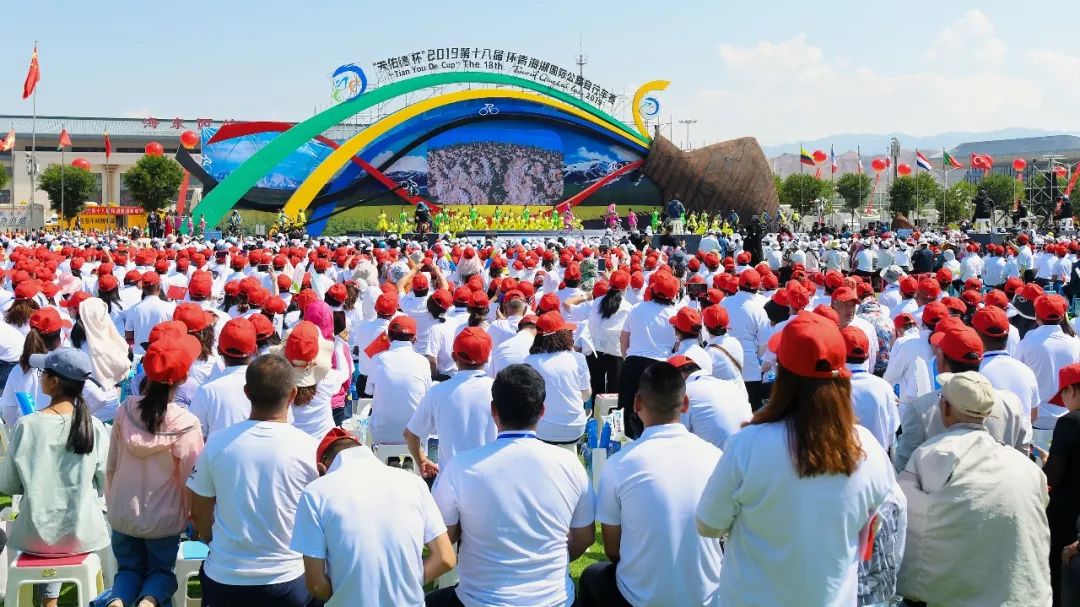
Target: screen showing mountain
[494,173]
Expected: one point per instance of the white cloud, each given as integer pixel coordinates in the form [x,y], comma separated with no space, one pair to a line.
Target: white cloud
[780,91]
[589,155]
[970,38]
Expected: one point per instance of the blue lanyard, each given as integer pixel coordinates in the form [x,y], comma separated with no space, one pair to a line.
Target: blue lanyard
[517,435]
[993,354]
[857,371]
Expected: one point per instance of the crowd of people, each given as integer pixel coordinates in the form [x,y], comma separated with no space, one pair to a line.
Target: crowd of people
[838,420]
[483,173]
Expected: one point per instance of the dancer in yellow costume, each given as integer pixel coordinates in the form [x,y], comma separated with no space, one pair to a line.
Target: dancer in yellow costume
[383,226]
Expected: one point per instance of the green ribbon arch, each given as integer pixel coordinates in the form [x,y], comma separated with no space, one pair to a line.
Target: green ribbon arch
[227,193]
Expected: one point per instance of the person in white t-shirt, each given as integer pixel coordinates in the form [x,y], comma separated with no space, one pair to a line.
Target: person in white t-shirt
[651,489]
[1045,349]
[245,489]
[803,480]
[144,315]
[310,355]
[368,545]
[566,378]
[515,350]
[457,410]
[399,379]
[687,323]
[216,403]
[717,408]
[647,336]
[1004,371]
[521,508]
[873,399]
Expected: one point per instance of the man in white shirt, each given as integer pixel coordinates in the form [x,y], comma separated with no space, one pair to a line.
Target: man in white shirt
[910,360]
[652,489]
[522,509]
[216,403]
[360,337]
[749,324]
[716,408]
[399,379]
[845,301]
[139,319]
[873,399]
[687,323]
[1045,349]
[513,351]
[993,274]
[457,410]
[370,542]
[130,293]
[244,491]
[1004,371]
[890,296]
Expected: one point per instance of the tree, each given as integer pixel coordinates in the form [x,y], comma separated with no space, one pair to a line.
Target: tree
[79,186]
[855,189]
[153,181]
[778,184]
[4,178]
[912,193]
[799,191]
[958,202]
[1002,189]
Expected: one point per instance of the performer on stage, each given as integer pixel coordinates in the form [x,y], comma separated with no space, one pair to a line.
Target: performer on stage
[612,217]
[654,220]
[676,213]
[422,218]
[384,224]
[983,210]
[631,220]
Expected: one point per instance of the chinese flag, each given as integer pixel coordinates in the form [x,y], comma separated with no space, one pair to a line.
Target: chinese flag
[65,139]
[108,146]
[32,77]
[378,345]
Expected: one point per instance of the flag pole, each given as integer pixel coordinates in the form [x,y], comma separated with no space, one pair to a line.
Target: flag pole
[944,192]
[33,143]
[63,169]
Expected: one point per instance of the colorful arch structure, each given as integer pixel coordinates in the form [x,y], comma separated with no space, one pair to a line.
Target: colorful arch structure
[218,203]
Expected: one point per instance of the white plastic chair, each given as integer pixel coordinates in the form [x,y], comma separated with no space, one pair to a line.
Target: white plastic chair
[83,570]
[603,404]
[189,559]
[386,452]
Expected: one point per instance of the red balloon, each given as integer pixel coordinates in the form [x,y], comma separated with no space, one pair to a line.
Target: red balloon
[189,139]
[1019,164]
[903,168]
[81,163]
[154,149]
[819,156]
[1061,171]
[878,164]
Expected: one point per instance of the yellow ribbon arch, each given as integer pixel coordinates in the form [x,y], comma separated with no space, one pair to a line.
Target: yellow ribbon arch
[648,87]
[326,170]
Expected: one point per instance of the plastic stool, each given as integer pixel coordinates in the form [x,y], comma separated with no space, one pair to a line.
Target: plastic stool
[385,451]
[603,404]
[189,559]
[84,570]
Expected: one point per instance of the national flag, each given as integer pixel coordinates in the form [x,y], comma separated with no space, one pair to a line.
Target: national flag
[9,141]
[33,76]
[922,161]
[948,162]
[805,157]
[835,165]
[65,139]
[108,146]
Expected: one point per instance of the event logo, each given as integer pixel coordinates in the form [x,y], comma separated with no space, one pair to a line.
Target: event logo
[650,107]
[349,83]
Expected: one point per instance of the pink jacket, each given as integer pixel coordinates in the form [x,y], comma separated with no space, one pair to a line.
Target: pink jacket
[145,473]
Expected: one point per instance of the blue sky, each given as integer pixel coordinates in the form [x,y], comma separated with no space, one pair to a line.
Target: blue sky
[779,71]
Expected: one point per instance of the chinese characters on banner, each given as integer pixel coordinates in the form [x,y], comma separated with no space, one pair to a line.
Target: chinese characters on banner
[494,60]
[179,123]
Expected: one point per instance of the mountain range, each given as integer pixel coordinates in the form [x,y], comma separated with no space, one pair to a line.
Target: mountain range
[878,143]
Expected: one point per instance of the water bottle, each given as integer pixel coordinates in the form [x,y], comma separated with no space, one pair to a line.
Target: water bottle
[605,436]
[26,403]
[591,434]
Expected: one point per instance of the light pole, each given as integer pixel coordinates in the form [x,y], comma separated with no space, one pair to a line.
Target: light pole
[688,123]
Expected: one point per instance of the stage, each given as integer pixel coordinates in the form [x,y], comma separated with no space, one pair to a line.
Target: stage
[593,237]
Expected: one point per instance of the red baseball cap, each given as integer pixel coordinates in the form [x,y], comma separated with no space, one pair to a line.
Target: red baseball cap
[1069,375]
[856,342]
[1012,285]
[386,304]
[238,338]
[971,297]
[167,329]
[619,280]
[908,285]
[834,279]
[903,320]
[46,320]
[27,289]
[334,435]
[933,312]
[338,293]
[844,294]
[991,321]
[275,305]
[108,282]
[76,298]
[825,311]
[955,304]
[263,327]
[1051,308]
[811,346]
[996,298]
[552,322]
[715,317]
[200,284]
[420,282]
[442,298]
[959,343]
[462,295]
[548,303]
[303,344]
[1030,292]
[749,279]
[402,324]
[687,320]
[680,360]
[168,360]
[194,317]
[150,278]
[929,287]
[473,345]
[665,285]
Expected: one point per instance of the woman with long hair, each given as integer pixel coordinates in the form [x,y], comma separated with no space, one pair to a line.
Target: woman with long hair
[815,506]
[606,317]
[316,379]
[23,394]
[56,462]
[155,443]
[320,314]
[109,292]
[200,324]
[566,379]
[24,305]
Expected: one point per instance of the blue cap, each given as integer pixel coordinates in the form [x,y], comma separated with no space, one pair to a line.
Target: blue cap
[68,363]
